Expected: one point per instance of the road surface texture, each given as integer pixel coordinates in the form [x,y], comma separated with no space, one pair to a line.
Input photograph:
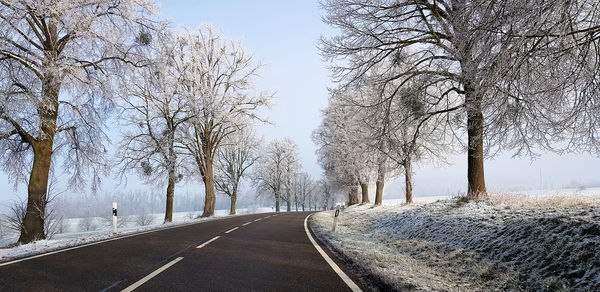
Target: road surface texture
[260,252]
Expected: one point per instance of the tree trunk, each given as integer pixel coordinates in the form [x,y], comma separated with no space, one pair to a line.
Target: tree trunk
[475,174]
[232,208]
[353,196]
[209,189]
[33,223]
[289,204]
[408,180]
[379,188]
[276,201]
[302,207]
[170,195]
[365,193]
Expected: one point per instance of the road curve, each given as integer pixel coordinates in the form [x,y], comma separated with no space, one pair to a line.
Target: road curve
[259,252]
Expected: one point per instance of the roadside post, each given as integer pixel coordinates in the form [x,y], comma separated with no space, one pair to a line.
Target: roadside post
[335,218]
[114,212]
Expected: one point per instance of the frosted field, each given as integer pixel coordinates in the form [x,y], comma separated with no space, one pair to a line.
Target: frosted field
[99,228]
[536,242]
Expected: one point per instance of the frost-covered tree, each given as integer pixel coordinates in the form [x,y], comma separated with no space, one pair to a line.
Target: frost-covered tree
[56,63]
[154,113]
[507,74]
[304,186]
[238,153]
[346,150]
[291,169]
[219,84]
[274,168]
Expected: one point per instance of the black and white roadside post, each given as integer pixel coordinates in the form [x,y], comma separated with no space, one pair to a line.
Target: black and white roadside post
[114,217]
[335,218]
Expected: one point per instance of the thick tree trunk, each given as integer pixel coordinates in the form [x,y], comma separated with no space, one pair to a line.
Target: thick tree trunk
[379,188]
[289,204]
[277,209]
[302,207]
[365,193]
[33,223]
[170,195]
[353,196]
[408,181]
[475,173]
[232,208]
[209,189]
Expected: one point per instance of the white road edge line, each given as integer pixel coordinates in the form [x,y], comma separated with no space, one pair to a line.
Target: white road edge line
[232,229]
[246,223]
[331,263]
[152,275]
[86,245]
[206,243]
[98,242]
[257,219]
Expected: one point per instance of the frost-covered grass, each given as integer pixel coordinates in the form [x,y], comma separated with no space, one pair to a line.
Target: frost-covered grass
[503,242]
[78,231]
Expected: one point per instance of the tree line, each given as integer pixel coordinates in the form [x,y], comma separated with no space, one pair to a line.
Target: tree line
[185,100]
[419,80]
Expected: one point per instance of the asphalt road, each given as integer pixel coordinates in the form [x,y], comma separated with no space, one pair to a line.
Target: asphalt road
[260,252]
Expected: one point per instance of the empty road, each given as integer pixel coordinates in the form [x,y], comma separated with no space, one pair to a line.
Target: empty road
[260,252]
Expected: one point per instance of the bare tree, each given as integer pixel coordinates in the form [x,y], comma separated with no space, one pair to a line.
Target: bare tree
[238,153]
[347,151]
[55,90]
[219,85]
[273,169]
[154,114]
[304,186]
[509,74]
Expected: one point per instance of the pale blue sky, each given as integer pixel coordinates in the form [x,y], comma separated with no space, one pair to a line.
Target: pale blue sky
[283,35]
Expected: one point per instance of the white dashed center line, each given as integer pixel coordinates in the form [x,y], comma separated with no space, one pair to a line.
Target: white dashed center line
[152,275]
[232,229]
[246,223]
[206,243]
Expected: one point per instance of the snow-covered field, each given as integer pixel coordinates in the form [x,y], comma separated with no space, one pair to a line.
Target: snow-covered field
[78,231]
[506,242]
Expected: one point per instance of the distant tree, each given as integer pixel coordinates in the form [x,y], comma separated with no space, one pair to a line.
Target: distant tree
[57,60]
[326,190]
[507,74]
[154,113]
[239,152]
[273,169]
[304,186]
[219,84]
[346,149]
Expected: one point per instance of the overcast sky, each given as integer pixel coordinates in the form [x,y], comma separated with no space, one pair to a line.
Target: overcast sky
[283,35]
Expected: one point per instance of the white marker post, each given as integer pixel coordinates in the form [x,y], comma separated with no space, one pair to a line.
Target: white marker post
[115,217]
[337,213]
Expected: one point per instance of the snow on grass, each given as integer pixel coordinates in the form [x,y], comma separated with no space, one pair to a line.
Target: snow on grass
[504,242]
[79,231]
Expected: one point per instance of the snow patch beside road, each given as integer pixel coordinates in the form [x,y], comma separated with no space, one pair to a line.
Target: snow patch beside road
[502,243]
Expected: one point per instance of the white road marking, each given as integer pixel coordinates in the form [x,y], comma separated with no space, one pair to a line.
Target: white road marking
[232,229]
[257,219]
[246,223]
[206,243]
[331,263]
[152,275]
[97,242]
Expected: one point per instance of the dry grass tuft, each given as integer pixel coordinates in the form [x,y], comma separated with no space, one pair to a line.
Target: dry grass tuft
[557,200]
